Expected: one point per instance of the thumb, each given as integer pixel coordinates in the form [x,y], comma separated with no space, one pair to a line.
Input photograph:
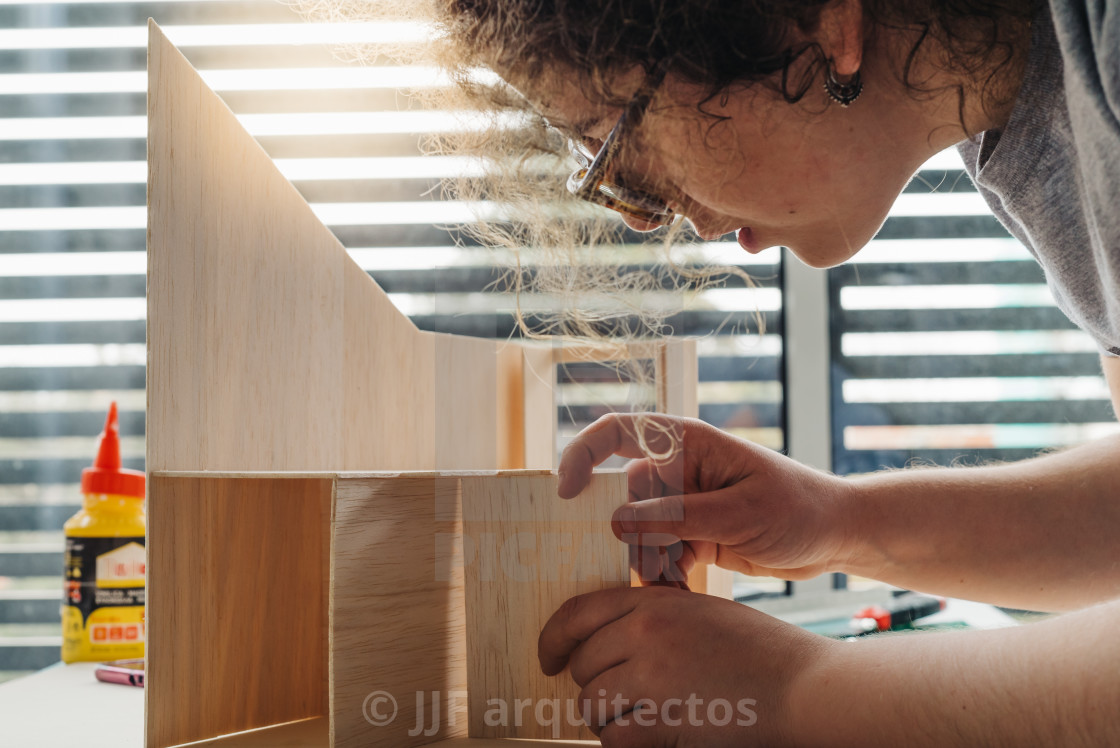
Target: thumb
[668,519]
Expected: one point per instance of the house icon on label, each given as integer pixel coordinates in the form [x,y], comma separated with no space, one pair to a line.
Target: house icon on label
[122,567]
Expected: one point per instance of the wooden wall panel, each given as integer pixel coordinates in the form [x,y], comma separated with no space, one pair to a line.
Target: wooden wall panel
[245,293]
[465,391]
[397,622]
[386,367]
[268,348]
[235,589]
[539,412]
[526,551]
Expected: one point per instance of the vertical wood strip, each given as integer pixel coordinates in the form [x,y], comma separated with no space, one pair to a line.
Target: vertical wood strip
[397,622]
[511,406]
[539,414]
[678,380]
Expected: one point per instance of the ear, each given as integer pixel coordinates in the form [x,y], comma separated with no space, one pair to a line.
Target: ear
[840,34]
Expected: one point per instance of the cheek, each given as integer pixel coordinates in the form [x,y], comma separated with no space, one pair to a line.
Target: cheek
[770,174]
[770,183]
[773,196]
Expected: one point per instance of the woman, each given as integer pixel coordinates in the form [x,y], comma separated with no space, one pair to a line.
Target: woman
[797,124]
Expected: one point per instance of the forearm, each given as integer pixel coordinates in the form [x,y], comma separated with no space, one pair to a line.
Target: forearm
[1051,683]
[1040,534]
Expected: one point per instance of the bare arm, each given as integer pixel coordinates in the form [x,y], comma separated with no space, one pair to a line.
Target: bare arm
[1111,367]
[1041,534]
[1048,683]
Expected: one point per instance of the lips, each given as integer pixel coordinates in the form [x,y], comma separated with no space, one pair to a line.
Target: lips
[747,241]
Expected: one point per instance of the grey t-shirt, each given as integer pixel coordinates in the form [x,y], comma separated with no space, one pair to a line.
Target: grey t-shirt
[1052,175]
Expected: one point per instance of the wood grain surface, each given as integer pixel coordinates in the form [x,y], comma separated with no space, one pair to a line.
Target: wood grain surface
[268,347]
[270,350]
[236,604]
[526,551]
[397,623]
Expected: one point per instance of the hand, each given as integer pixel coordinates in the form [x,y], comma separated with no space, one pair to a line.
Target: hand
[659,667]
[708,497]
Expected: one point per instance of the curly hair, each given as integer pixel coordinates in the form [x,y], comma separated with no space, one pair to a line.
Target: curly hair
[557,241]
[713,43]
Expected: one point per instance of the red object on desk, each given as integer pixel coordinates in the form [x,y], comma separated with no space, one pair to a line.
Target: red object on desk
[905,609]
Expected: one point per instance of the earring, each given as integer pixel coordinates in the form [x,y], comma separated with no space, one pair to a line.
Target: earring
[842,93]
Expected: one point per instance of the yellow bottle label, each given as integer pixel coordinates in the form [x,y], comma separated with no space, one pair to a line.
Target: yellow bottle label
[103,610]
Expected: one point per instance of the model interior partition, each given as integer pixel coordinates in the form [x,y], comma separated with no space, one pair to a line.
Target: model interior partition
[306,446]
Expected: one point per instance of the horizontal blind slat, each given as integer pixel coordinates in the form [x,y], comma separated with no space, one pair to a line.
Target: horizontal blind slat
[73,378]
[903,320]
[32,656]
[932,366]
[1017,411]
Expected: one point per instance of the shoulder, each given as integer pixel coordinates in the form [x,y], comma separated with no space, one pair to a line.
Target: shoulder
[1088,33]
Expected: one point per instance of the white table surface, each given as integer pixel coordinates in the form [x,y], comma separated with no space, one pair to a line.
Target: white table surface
[65,706]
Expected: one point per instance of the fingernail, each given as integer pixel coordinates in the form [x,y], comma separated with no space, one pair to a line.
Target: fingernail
[628,518]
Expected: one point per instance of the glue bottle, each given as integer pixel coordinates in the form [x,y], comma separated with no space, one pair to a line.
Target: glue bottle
[103,584]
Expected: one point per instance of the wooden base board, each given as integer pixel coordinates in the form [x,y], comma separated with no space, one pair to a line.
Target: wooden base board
[314,733]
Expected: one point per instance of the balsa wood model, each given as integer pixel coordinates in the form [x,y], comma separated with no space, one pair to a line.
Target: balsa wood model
[307,542]
[531,552]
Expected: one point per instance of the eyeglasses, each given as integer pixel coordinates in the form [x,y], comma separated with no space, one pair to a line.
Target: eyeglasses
[593,180]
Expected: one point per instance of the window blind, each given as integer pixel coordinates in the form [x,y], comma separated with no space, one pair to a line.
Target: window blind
[947,346]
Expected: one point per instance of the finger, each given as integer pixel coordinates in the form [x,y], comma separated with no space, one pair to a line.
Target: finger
[670,561]
[685,560]
[608,648]
[609,697]
[643,481]
[666,583]
[660,521]
[668,566]
[576,621]
[641,728]
[672,568]
[613,434]
[645,561]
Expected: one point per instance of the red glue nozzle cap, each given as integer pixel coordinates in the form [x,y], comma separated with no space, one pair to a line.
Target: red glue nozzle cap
[109,453]
[107,475]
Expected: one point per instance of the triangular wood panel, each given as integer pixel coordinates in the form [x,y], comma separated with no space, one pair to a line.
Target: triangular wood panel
[268,347]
